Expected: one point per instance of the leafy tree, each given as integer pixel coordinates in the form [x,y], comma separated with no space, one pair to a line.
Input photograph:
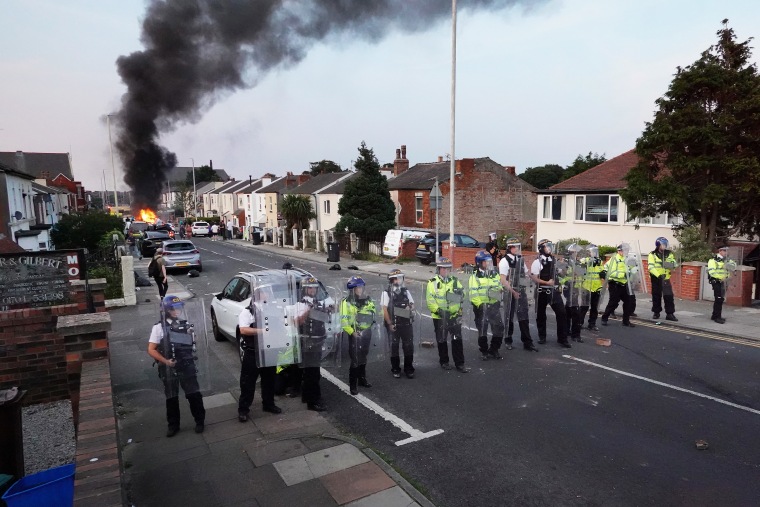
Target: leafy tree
[204,174]
[543,176]
[692,245]
[84,230]
[297,211]
[323,167]
[581,164]
[366,207]
[183,202]
[700,156]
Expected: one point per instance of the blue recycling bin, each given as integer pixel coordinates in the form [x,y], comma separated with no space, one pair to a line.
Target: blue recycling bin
[51,488]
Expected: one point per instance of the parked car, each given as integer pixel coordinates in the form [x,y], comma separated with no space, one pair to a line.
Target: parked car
[167,227]
[199,229]
[135,229]
[426,250]
[151,240]
[182,254]
[236,296]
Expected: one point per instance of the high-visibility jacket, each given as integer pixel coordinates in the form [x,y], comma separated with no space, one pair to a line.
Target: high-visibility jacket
[716,268]
[616,268]
[357,314]
[656,260]
[444,294]
[485,288]
[592,282]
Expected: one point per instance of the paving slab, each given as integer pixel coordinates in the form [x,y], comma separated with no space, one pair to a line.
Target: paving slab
[306,494]
[356,482]
[294,470]
[219,400]
[287,421]
[391,497]
[333,459]
[227,429]
[264,453]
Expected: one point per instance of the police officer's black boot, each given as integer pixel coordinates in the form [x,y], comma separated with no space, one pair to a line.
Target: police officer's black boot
[363,376]
[172,416]
[409,366]
[352,380]
[396,366]
[198,411]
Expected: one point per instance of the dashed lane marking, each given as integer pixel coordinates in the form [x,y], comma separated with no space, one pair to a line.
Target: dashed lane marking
[415,435]
[663,384]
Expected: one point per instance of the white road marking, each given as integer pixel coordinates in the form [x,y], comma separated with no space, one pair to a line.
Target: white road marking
[415,435]
[663,384]
[235,258]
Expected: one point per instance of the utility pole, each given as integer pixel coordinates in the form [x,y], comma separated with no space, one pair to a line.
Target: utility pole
[195,196]
[113,167]
[452,169]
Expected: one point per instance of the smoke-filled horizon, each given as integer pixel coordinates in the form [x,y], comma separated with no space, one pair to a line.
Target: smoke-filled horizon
[197,50]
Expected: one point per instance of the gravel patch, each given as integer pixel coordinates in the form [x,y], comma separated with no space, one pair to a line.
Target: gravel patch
[49,439]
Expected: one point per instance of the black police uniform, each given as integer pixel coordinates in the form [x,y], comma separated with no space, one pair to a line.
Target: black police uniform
[547,295]
[249,373]
[404,333]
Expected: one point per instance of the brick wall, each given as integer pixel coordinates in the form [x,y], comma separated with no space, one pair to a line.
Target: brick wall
[685,280]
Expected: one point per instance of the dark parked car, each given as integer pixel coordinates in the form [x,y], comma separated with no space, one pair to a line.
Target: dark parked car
[152,240]
[426,251]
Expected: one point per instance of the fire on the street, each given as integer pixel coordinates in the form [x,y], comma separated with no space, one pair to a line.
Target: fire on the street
[147,215]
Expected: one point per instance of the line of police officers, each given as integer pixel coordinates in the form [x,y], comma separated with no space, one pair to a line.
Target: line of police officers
[572,286]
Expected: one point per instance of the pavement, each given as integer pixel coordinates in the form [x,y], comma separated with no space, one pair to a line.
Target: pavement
[290,459]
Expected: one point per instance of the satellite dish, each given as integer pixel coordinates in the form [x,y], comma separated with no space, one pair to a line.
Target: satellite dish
[17,215]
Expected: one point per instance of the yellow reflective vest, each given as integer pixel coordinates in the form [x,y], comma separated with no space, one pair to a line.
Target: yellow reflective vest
[485,289]
[656,260]
[356,318]
[616,269]
[444,294]
[716,268]
[592,282]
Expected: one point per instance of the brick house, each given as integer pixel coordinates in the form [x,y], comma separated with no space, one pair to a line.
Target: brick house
[54,168]
[274,192]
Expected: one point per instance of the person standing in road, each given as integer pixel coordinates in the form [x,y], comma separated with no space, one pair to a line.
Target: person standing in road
[661,261]
[249,371]
[160,272]
[485,295]
[492,247]
[223,230]
[214,231]
[544,274]
[176,364]
[512,271]
[398,314]
[616,272]
[717,273]
[444,296]
[230,229]
[592,282]
[357,316]
[312,334]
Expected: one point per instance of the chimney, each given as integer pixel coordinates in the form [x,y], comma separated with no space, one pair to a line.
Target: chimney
[440,159]
[401,163]
[211,164]
[20,161]
[510,169]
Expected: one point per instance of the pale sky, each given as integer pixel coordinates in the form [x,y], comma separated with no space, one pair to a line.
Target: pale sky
[534,86]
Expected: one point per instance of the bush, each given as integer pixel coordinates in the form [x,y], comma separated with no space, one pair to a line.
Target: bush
[691,245]
[606,249]
[114,288]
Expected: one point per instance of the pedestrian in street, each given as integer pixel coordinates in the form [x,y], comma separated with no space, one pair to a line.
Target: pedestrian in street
[492,247]
[661,261]
[181,230]
[230,229]
[172,346]
[592,282]
[398,314]
[485,295]
[544,274]
[357,315]
[214,232]
[250,330]
[513,275]
[444,296]
[223,230]
[717,274]
[571,284]
[159,272]
[312,334]
[616,273]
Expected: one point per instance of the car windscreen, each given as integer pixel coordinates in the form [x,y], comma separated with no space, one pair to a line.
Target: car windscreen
[178,247]
[200,224]
[138,226]
[157,235]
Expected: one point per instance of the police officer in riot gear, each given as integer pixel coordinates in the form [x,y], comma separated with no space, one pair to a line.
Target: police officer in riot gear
[717,274]
[544,274]
[172,345]
[485,296]
[357,315]
[444,295]
[398,308]
[661,261]
[616,272]
[592,282]
[492,247]
[511,271]
[249,370]
[312,334]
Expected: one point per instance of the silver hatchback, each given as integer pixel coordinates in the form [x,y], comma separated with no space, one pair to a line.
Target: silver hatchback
[182,254]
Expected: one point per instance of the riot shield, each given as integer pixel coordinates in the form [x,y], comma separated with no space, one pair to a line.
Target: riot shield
[484,317]
[670,260]
[318,331]
[449,320]
[276,316]
[561,276]
[634,271]
[185,341]
[733,285]
[361,315]
[591,281]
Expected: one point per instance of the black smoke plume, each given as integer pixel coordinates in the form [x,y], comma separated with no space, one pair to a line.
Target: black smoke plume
[196,50]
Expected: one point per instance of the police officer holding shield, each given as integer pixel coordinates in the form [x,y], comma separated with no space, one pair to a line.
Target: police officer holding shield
[357,315]
[661,261]
[544,274]
[592,282]
[485,296]
[398,308]
[616,272]
[512,273]
[172,345]
[250,330]
[717,274]
[444,296]
[312,313]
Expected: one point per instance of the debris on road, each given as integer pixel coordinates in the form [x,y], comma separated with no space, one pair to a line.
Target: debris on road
[702,445]
[604,342]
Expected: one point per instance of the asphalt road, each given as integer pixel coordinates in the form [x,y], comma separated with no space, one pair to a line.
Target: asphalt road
[554,427]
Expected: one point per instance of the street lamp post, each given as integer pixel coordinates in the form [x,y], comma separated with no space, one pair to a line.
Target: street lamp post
[195,196]
[113,167]
[452,169]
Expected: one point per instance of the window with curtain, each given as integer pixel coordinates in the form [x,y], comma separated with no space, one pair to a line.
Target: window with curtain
[418,206]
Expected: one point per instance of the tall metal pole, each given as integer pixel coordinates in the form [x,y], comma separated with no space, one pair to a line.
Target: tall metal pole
[113,167]
[452,169]
[437,241]
[195,196]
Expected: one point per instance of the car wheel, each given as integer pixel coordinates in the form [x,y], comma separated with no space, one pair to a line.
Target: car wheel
[426,261]
[215,328]
[241,352]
